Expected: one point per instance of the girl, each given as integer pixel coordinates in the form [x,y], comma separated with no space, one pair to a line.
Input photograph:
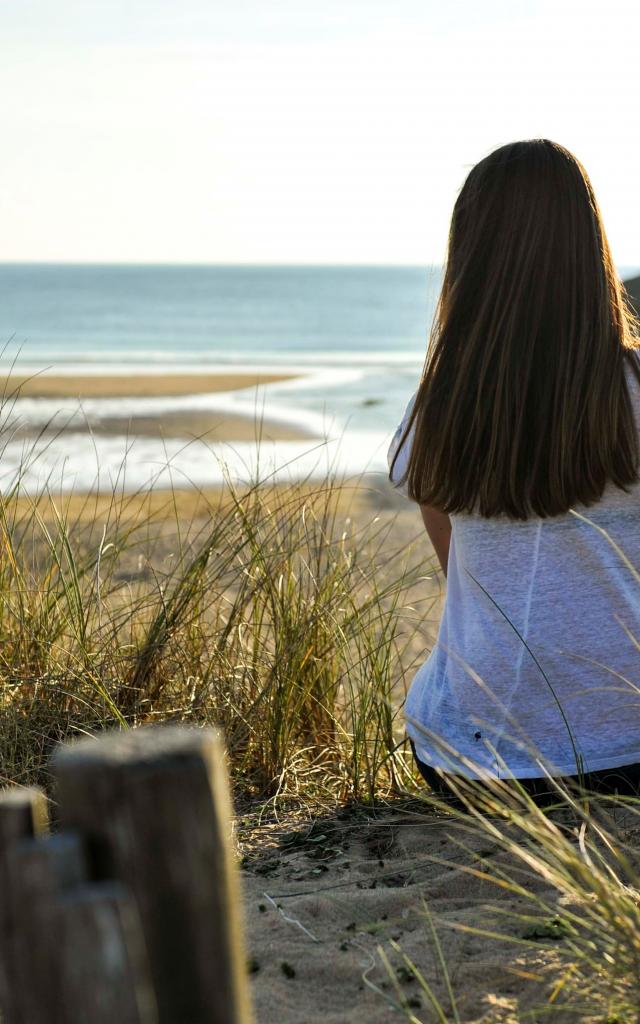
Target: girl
[521,447]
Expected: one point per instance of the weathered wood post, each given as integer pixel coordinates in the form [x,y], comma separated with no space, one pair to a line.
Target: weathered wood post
[154,806]
[23,813]
[104,973]
[39,870]
[77,947]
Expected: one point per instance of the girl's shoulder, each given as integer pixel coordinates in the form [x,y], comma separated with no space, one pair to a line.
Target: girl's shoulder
[398,459]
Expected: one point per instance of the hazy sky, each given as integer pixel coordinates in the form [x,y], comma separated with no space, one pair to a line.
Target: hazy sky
[296,130]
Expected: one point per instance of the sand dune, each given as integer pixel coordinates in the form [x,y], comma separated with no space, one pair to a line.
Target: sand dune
[321,897]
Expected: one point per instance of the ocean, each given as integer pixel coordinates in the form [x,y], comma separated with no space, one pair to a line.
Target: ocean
[356,336]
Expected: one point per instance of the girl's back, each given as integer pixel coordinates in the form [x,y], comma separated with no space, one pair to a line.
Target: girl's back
[522,446]
[537,654]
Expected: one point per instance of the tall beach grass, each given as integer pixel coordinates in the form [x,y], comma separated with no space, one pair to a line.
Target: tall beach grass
[271,611]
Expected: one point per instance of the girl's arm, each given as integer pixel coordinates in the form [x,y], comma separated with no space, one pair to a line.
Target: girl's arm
[438,527]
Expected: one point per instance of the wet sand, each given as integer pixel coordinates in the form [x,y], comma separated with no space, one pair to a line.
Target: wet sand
[211,425]
[214,427]
[132,385]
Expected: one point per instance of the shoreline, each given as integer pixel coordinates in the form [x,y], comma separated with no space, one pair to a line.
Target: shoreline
[214,425]
[82,431]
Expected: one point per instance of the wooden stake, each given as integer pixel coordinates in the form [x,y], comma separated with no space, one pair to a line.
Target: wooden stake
[39,870]
[154,806]
[23,813]
[103,964]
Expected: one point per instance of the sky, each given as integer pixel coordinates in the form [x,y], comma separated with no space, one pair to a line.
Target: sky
[296,131]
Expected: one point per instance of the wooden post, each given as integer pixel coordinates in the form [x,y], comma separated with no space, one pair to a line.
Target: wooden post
[78,948]
[154,805]
[104,976]
[23,813]
[39,870]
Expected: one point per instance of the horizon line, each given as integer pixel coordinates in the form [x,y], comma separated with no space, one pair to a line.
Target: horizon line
[248,265]
[203,263]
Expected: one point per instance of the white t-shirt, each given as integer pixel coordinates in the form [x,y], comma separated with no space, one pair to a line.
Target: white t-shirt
[537,660]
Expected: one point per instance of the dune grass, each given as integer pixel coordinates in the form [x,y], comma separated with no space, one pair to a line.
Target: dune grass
[274,614]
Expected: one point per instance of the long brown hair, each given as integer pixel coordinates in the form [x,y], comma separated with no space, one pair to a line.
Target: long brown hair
[523,407]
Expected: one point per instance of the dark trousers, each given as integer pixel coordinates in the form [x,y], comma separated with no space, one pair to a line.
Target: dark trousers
[624,780]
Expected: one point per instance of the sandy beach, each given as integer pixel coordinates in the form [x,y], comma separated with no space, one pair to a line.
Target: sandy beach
[256,259]
[322,896]
[127,385]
